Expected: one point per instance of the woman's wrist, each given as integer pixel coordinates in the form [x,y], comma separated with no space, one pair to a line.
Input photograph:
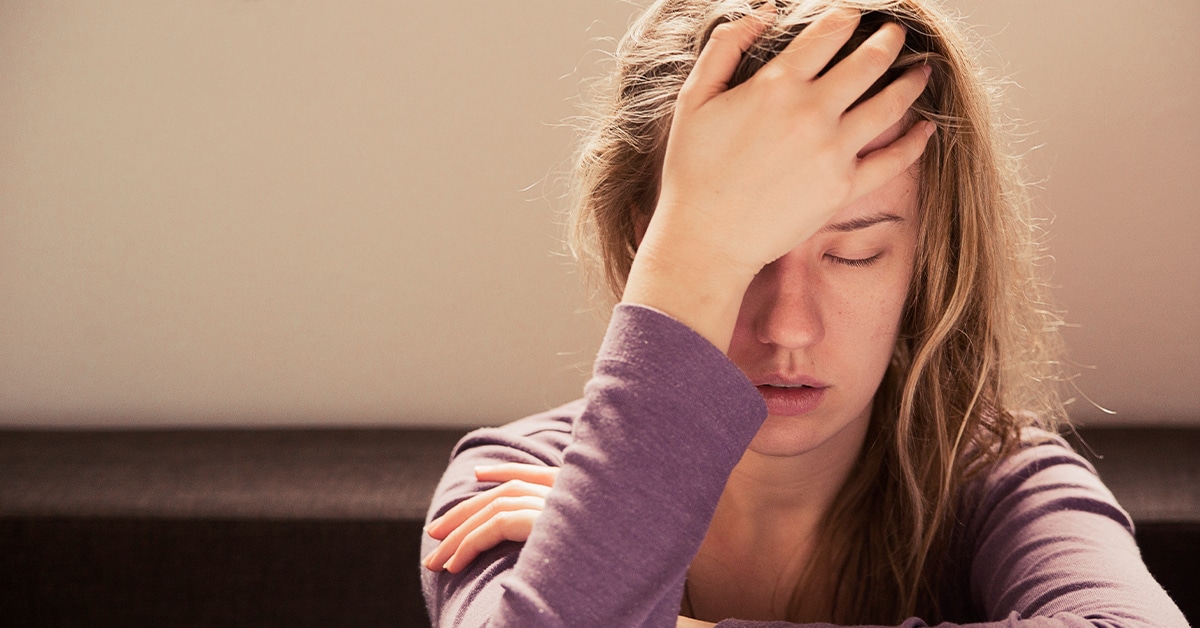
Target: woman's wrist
[691,282]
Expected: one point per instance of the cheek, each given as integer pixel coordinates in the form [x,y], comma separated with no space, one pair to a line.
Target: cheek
[887,322]
[895,295]
[877,315]
[879,321]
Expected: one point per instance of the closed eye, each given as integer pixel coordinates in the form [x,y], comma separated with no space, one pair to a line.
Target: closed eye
[857,263]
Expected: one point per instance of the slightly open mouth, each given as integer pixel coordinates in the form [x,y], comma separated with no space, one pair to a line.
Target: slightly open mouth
[791,399]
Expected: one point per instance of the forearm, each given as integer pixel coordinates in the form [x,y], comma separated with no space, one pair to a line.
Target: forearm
[665,418]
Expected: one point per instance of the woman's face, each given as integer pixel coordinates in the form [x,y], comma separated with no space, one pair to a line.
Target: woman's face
[818,326]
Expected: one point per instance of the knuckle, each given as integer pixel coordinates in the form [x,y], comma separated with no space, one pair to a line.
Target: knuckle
[505,520]
[876,54]
[504,504]
[779,93]
[515,525]
[514,502]
[846,14]
[829,109]
[773,76]
[687,98]
[514,487]
[726,31]
[505,523]
[494,507]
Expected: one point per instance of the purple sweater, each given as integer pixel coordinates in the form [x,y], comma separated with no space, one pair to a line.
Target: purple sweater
[644,457]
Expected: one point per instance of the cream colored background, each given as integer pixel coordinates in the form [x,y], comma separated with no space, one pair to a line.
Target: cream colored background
[236,212]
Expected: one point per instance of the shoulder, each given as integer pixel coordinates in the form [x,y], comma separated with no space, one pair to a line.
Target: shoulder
[536,439]
[1040,523]
[1043,475]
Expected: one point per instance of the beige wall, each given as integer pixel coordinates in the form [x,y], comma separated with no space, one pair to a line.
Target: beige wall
[234,212]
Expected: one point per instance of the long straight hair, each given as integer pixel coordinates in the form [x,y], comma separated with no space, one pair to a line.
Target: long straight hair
[977,357]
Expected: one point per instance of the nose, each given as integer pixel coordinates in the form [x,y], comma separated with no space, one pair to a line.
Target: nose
[786,298]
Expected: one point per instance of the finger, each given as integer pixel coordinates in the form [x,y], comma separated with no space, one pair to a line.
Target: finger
[505,526]
[461,512]
[815,46]
[721,55]
[532,473]
[885,164]
[437,559]
[845,82]
[879,112]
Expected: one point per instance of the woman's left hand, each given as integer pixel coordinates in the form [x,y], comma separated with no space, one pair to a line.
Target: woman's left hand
[502,513]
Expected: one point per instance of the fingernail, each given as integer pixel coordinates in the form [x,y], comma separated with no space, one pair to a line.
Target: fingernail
[927,69]
[930,127]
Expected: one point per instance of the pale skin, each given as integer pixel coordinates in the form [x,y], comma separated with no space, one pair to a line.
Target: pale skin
[784,234]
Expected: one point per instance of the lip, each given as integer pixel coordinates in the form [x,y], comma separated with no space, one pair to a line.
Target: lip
[791,401]
[791,395]
[788,380]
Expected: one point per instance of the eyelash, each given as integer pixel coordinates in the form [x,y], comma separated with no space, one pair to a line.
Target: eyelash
[856,263]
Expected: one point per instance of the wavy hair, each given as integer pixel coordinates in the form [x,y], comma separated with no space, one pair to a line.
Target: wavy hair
[977,356]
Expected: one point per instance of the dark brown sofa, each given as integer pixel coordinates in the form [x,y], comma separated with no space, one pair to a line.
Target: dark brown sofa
[321,527]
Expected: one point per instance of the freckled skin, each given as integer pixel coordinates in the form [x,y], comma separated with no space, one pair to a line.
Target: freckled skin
[809,314]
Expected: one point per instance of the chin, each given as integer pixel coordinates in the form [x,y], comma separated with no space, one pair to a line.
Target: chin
[790,436]
[787,436]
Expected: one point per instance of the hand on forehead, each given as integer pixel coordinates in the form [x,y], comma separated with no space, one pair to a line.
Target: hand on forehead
[890,135]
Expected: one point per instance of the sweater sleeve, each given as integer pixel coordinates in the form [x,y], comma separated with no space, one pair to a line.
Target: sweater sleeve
[1047,545]
[1051,541]
[664,419]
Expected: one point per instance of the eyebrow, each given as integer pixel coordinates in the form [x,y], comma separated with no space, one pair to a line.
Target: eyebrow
[862,222]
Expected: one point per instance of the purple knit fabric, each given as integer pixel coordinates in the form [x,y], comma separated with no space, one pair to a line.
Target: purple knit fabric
[645,455]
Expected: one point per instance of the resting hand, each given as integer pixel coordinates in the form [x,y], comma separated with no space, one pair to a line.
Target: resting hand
[753,171]
[502,513]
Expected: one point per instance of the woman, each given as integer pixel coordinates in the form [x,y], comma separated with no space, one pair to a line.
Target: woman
[825,392]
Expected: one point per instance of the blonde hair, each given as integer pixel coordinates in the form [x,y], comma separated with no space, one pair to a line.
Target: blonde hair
[977,340]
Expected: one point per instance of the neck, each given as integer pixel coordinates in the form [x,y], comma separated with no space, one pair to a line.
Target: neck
[766,492]
[763,534]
